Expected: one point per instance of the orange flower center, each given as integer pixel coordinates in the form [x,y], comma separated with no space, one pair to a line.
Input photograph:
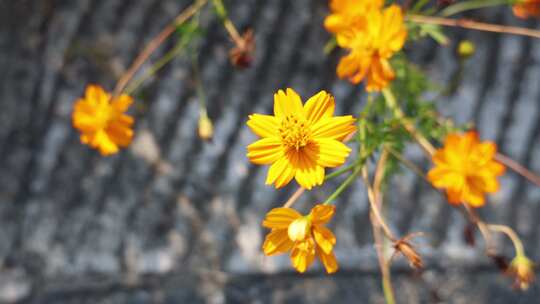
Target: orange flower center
[294,132]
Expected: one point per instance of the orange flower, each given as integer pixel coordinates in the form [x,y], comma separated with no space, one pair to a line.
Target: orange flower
[305,236]
[371,46]
[102,122]
[299,141]
[466,169]
[526,8]
[348,13]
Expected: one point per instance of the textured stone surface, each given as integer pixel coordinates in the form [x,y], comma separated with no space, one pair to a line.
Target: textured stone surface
[175,220]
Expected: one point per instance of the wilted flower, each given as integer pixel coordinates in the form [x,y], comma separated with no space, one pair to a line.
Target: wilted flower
[241,55]
[466,168]
[404,247]
[526,8]
[101,120]
[522,269]
[299,141]
[305,236]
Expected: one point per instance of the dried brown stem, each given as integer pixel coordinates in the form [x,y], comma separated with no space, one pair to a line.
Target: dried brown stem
[296,195]
[474,25]
[519,169]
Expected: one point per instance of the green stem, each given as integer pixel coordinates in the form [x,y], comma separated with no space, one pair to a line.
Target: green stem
[460,7]
[177,50]
[341,171]
[387,289]
[419,5]
[343,186]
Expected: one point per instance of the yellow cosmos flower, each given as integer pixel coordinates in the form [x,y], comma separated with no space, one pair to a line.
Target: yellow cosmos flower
[304,236]
[526,8]
[348,13]
[371,46]
[466,169]
[299,141]
[102,122]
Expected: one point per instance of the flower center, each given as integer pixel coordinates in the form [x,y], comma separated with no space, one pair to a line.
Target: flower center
[294,132]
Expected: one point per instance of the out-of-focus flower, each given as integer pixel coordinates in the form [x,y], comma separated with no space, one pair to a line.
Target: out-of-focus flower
[304,236]
[241,55]
[466,168]
[101,120]
[466,49]
[371,46]
[299,141]
[206,128]
[526,8]
[345,14]
[522,269]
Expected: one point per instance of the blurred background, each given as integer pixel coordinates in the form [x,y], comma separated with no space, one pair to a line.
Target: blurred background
[174,219]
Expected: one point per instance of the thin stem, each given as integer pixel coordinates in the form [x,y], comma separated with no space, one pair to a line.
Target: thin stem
[227,23]
[519,169]
[340,171]
[512,235]
[177,50]
[374,207]
[343,186]
[472,4]
[409,164]
[480,26]
[294,197]
[482,226]
[407,124]
[155,43]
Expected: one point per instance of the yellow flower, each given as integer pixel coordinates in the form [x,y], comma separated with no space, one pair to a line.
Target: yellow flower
[522,269]
[348,13]
[102,122]
[299,141]
[305,236]
[466,169]
[206,128]
[526,8]
[371,46]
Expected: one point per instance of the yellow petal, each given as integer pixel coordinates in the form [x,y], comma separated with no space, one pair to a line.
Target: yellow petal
[287,104]
[277,242]
[122,103]
[308,172]
[319,106]
[280,173]
[303,255]
[328,260]
[263,125]
[324,238]
[334,127]
[265,151]
[280,218]
[332,153]
[321,214]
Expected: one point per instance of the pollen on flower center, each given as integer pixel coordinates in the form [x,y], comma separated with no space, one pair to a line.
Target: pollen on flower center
[294,132]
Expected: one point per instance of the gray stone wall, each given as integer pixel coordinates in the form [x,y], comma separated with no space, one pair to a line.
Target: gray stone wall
[176,220]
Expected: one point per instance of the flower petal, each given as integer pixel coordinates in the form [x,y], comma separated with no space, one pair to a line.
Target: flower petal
[303,255]
[277,242]
[287,104]
[319,106]
[280,218]
[263,125]
[334,127]
[321,214]
[328,260]
[265,151]
[324,238]
[332,153]
[280,173]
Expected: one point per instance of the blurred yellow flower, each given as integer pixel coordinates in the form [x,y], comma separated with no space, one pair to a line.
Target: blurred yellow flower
[206,128]
[348,13]
[305,236]
[102,122]
[371,46]
[466,169]
[299,141]
[522,269]
[526,8]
